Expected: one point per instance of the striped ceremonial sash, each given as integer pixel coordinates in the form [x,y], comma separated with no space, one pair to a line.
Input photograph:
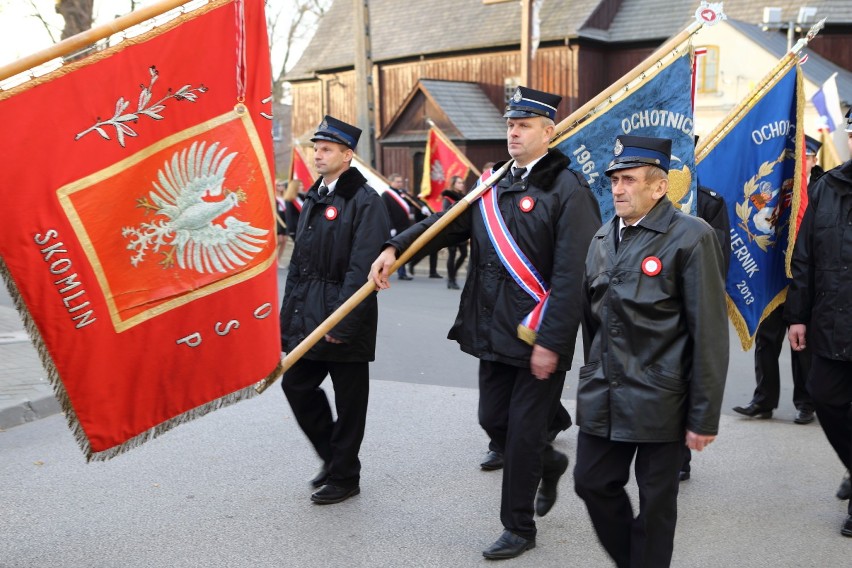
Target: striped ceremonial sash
[297,203]
[516,263]
[398,198]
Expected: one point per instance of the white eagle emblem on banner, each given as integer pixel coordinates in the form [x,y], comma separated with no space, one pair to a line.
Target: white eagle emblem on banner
[191,195]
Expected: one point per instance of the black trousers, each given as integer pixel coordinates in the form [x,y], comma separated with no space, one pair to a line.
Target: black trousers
[560,421]
[336,442]
[453,263]
[515,409]
[600,474]
[770,338]
[433,264]
[830,385]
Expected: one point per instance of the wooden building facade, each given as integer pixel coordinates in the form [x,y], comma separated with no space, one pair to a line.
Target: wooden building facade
[585,46]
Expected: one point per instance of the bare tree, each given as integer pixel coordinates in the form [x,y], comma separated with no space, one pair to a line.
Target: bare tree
[289,26]
[77,14]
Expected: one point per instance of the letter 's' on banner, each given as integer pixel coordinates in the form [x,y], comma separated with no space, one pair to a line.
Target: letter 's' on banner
[138,233]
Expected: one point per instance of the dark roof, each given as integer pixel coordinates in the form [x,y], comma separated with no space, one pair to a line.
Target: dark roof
[465,105]
[639,20]
[816,69]
[403,28]
[468,108]
[409,28]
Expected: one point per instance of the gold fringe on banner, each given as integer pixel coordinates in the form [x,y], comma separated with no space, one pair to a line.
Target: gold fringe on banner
[68,408]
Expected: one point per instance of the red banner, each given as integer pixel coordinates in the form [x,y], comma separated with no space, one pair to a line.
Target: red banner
[299,169]
[138,236]
[444,160]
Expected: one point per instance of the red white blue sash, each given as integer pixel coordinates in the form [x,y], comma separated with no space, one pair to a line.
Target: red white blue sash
[516,263]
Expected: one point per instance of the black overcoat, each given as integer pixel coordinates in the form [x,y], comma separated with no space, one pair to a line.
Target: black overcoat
[820,294]
[330,262]
[554,235]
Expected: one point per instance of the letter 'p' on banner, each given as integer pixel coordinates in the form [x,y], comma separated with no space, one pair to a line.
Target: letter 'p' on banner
[138,232]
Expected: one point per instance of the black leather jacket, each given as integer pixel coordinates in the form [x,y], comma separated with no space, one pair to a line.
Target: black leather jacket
[820,294]
[659,354]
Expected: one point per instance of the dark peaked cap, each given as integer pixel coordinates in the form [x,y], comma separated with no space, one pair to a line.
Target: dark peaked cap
[527,103]
[638,151]
[334,130]
[812,145]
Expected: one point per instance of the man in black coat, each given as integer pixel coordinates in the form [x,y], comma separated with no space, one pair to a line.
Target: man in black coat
[399,212]
[655,372]
[819,302]
[341,229]
[550,214]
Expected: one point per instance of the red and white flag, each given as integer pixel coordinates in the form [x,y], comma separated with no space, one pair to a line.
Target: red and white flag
[299,169]
[138,233]
[443,160]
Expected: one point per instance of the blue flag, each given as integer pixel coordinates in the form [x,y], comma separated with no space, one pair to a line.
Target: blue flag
[659,107]
[755,165]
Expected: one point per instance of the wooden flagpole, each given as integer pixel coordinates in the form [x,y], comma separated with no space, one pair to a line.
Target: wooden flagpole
[369,287]
[77,42]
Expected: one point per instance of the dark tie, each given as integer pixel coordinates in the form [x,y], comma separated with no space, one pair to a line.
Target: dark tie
[323,191]
[517,173]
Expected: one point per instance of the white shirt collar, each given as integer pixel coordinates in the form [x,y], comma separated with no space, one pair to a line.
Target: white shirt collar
[622,225]
[529,166]
[331,185]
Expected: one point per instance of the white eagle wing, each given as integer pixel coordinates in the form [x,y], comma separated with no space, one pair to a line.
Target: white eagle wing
[219,249]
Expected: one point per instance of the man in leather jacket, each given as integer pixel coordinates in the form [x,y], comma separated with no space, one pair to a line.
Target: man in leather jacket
[550,214]
[819,303]
[656,367]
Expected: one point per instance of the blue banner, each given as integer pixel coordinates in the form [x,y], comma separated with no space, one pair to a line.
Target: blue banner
[659,107]
[754,167]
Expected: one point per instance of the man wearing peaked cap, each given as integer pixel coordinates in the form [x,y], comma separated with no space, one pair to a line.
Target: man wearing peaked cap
[817,308]
[813,171]
[334,130]
[523,349]
[655,373]
[528,103]
[329,263]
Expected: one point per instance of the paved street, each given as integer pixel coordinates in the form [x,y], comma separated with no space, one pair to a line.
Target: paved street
[230,489]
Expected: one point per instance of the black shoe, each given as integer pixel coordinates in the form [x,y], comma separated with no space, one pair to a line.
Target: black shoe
[411,269]
[753,411]
[404,277]
[844,492]
[546,496]
[493,460]
[435,275]
[683,476]
[451,284]
[804,416]
[846,529]
[320,478]
[509,545]
[330,494]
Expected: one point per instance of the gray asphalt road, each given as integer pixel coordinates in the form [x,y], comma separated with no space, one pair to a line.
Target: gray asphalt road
[229,489]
